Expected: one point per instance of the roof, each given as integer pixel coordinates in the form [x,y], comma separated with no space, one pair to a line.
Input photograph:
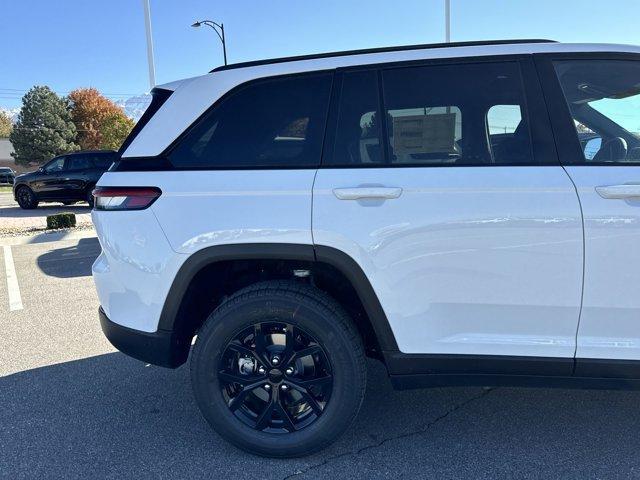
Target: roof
[401,48]
[82,152]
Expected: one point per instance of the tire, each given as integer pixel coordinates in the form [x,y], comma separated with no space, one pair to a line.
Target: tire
[307,313]
[89,197]
[26,198]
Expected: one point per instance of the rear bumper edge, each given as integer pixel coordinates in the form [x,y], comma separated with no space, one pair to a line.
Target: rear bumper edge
[160,348]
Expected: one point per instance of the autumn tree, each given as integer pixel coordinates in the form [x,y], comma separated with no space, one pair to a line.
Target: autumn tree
[5,125]
[44,127]
[101,124]
[115,128]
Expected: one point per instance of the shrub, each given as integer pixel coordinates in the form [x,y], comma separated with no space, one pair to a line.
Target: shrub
[61,220]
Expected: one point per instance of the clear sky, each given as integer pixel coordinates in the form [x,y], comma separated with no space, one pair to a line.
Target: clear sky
[78,43]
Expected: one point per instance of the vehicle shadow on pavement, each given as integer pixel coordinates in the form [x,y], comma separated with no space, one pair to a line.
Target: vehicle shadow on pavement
[111,416]
[43,210]
[72,261]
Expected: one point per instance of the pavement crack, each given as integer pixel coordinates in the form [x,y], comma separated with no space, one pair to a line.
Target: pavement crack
[414,433]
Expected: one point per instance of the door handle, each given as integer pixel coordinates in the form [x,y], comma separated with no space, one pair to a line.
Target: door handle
[360,193]
[619,191]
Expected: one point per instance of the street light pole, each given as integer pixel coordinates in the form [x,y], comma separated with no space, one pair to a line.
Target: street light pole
[447,20]
[219,29]
[147,24]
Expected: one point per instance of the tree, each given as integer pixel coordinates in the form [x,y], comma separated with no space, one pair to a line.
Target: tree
[5,125]
[115,129]
[44,128]
[100,123]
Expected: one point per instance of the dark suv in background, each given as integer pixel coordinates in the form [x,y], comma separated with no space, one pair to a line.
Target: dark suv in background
[68,179]
[6,175]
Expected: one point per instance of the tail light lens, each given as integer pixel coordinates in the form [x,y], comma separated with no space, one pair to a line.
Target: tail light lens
[125,198]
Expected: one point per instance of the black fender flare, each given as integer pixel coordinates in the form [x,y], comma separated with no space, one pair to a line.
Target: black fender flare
[276,251]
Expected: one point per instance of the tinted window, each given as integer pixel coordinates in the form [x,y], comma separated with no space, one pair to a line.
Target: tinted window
[78,162]
[54,165]
[358,129]
[604,101]
[439,115]
[103,161]
[271,123]
[506,131]
[504,119]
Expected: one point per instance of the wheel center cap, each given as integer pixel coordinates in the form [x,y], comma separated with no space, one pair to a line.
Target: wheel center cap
[275,375]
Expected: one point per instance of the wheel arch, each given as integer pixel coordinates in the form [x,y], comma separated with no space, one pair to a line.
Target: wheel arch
[180,321]
[18,186]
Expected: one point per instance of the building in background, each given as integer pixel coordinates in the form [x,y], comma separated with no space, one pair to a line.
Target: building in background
[6,160]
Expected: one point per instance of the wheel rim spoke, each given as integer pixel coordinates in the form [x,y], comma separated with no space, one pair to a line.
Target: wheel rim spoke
[312,382]
[284,415]
[265,416]
[261,344]
[241,379]
[288,353]
[305,352]
[239,399]
[308,397]
[312,402]
[241,349]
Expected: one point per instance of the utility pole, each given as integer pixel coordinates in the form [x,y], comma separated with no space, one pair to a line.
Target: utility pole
[147,24]
[447,20]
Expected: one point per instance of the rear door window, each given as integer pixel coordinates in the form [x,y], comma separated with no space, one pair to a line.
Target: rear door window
[270,123]
[444,115]
[103,161]
[78,162]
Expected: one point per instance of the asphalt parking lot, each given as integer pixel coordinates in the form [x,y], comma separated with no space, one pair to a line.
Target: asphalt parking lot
[72,407]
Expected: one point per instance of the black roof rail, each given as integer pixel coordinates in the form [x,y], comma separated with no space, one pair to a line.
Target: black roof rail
[401,48]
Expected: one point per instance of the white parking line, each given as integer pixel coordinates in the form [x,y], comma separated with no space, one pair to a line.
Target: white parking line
[15,300]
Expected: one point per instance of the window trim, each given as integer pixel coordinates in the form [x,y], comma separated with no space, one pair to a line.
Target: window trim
[567,142]
[64,158]
[540,130]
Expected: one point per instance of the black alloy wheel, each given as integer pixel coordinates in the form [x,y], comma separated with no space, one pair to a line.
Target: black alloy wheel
[26,198]
[275,377]
[278,369]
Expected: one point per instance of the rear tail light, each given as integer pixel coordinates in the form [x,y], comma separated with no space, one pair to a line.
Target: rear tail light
[125,198]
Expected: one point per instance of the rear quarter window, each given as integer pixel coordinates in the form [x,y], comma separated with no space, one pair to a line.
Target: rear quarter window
[269,123]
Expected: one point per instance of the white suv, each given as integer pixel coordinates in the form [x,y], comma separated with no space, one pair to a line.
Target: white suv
[466,213]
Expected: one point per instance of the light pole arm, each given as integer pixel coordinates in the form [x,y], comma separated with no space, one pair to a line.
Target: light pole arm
[215,26]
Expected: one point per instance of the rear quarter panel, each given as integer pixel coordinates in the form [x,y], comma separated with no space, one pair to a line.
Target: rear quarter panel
[198,209]
[143,250]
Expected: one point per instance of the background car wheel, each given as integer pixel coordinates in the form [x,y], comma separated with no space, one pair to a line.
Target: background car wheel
[90,198]
[26,198]
[278,369]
